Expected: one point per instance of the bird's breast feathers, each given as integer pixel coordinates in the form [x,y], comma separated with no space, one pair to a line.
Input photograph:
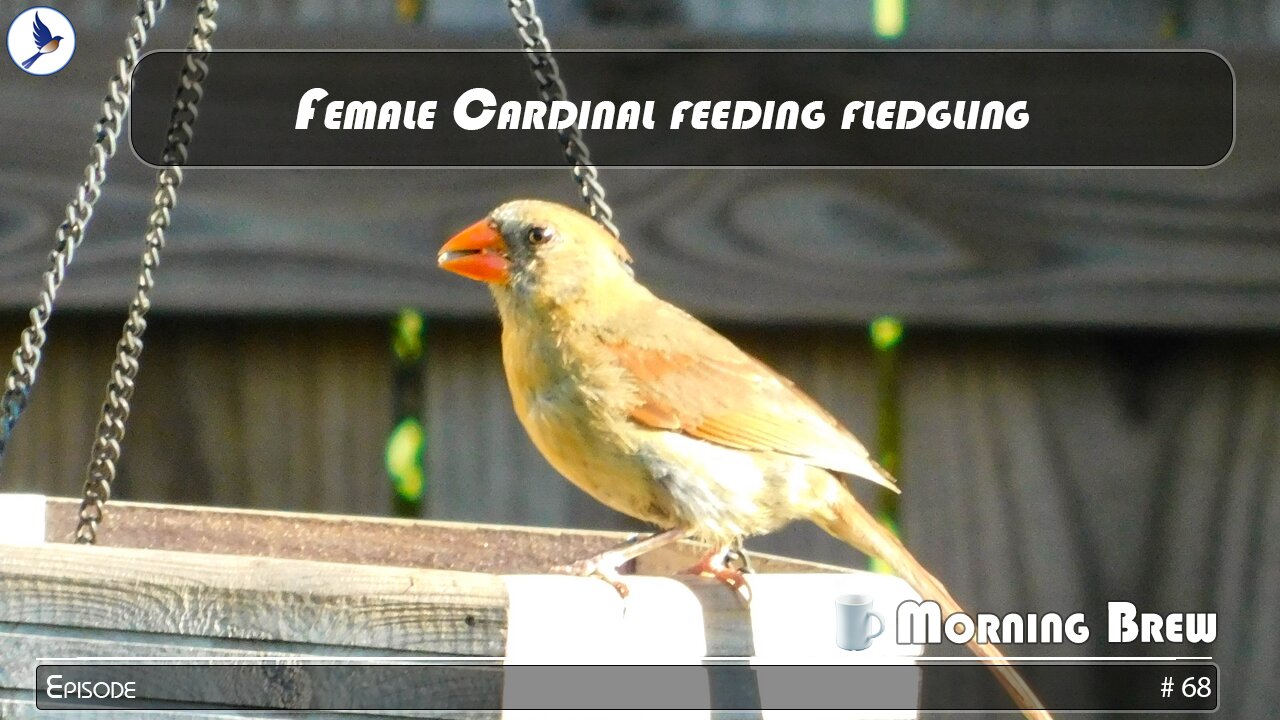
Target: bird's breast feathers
[564,404]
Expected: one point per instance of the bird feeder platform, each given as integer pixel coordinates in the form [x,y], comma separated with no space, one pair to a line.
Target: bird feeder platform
[178,581]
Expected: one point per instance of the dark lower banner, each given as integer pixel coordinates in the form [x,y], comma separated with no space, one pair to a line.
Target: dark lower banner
[456,685]
[784,108]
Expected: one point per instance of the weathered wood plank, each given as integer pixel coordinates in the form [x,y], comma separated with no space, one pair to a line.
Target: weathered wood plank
[999,251]
[26,642]
[437,545]
[206,595]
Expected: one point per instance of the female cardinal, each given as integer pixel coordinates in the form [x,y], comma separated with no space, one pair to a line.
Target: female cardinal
[658,416]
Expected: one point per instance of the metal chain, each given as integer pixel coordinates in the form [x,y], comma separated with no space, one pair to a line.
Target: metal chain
[124,370]
[546,71]
[69,235]
[550,87]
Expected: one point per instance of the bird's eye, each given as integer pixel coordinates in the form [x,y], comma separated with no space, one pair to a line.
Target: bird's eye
[539,235]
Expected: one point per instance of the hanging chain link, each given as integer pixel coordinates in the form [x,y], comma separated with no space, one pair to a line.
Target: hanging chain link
[550,87]
[546,71]
[69,235]
[124,370]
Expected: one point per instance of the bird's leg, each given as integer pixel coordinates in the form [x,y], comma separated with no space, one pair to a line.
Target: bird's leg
[629,567]
[605,565]
[715,565]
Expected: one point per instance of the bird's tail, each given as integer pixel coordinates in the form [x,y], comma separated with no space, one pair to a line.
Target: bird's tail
[854,525]
[26,64]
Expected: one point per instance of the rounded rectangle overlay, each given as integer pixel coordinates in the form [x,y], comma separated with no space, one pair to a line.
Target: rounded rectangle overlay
[699,108]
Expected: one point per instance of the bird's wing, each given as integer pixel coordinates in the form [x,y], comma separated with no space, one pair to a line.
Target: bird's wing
[692,380]
[41,33]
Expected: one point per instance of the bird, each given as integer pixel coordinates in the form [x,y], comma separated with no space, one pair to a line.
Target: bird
[660,417]
[46,42]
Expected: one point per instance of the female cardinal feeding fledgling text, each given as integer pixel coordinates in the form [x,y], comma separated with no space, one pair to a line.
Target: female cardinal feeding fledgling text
[658,416]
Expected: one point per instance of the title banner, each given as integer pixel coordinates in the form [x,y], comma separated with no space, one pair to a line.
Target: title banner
[725,685]
[699,108]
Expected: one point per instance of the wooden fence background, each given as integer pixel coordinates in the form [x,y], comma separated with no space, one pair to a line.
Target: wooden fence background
[1044,471]
[1091,384]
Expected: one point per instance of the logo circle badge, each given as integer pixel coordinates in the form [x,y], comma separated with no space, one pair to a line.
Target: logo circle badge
[41,40]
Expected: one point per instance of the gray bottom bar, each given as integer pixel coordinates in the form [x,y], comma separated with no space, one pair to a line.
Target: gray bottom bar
[490,686]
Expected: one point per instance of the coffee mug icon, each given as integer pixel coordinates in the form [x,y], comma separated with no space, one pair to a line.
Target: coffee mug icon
[854,617]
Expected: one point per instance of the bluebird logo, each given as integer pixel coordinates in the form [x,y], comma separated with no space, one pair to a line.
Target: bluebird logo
[41,40]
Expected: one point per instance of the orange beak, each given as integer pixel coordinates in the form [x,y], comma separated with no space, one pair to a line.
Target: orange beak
[478,253]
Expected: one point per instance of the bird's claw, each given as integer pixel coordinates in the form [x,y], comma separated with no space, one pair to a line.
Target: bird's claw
[737,555]
[735,579]
[598,567]
[714,566]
